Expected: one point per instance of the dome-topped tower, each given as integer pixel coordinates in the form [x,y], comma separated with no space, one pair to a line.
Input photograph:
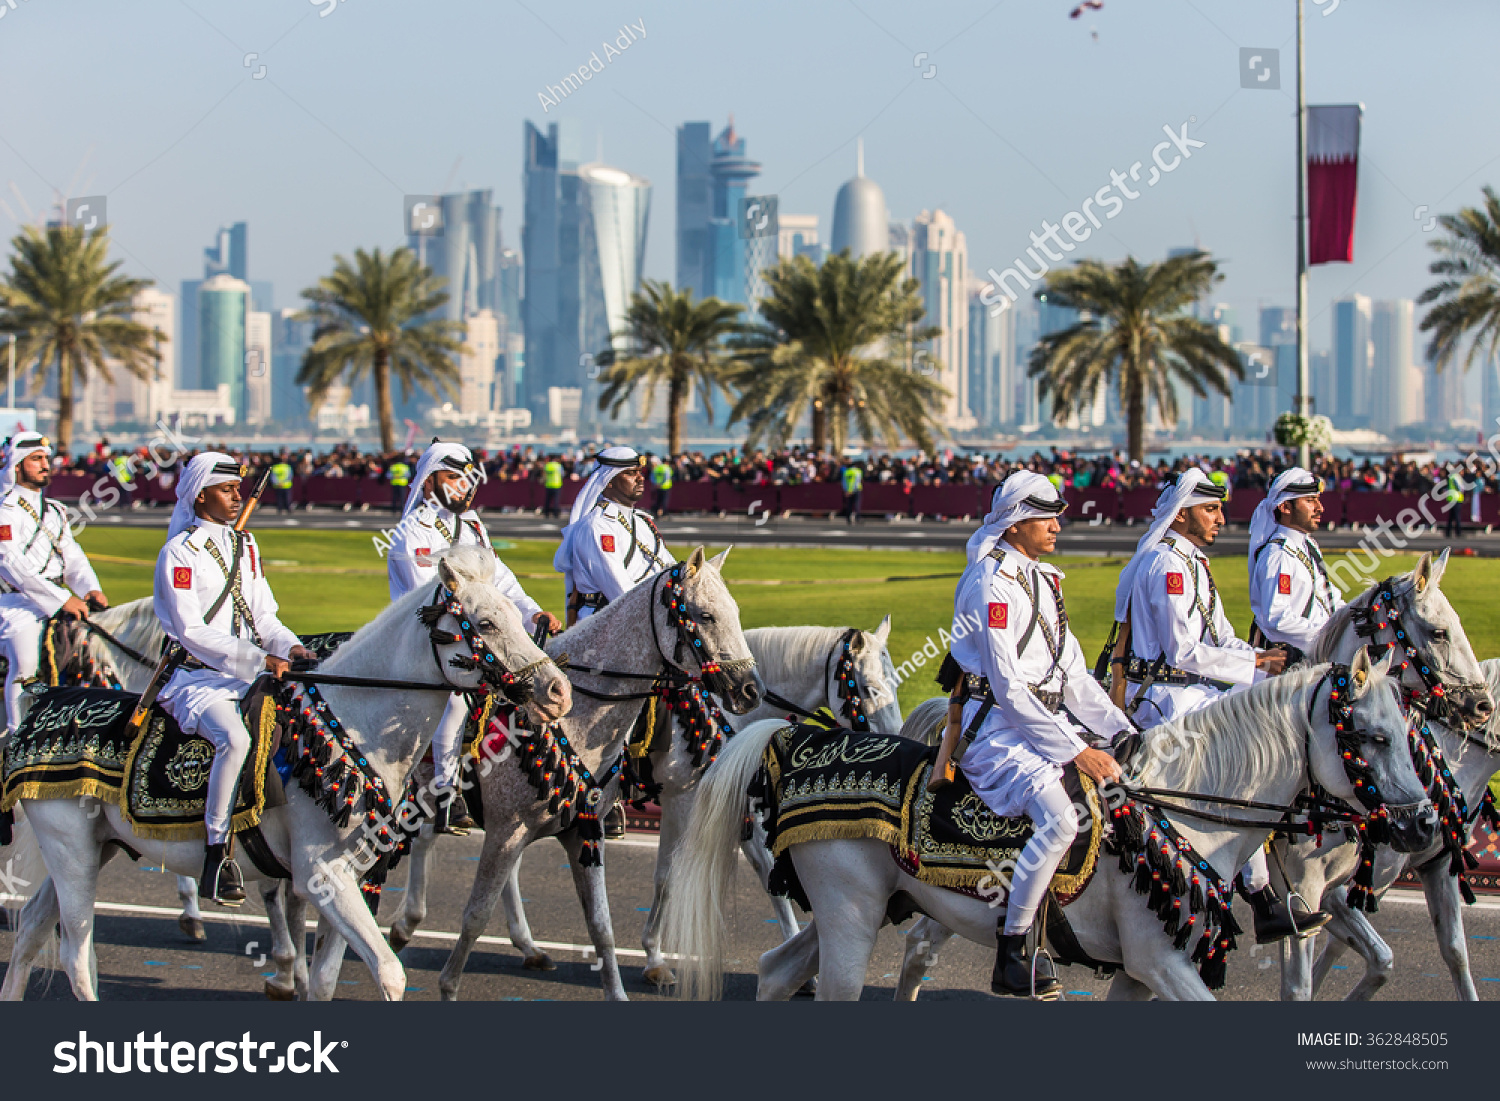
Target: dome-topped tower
[860,222]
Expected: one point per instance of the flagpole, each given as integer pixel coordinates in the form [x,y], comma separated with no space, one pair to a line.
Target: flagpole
[1304,397]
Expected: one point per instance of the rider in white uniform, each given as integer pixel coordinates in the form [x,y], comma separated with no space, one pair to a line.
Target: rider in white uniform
[609,546]
[1290,593]
[1033,704]
[212,597]
[435,518]
[40,562]
[1183,650]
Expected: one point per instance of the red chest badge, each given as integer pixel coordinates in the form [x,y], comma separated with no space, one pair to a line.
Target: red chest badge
[1284,584]
[999,616]
[421,553]
[4,533]
[182,577]
[1174,584]
[608,543]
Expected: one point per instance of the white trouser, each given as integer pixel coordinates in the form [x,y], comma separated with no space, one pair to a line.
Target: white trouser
[221,724]
[23,636]
[446,741]
[1255,873]
[1052,813]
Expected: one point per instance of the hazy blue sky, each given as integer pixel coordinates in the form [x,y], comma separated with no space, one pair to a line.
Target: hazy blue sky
[153,103]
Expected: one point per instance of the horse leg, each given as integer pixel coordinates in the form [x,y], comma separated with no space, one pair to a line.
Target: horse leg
[848,886]
[1123,988]
[414,906]
[788,967]
[496,859]
[594,897]
[1297,969]
[190,921]
[1334,946]
[1359,934]
[676,808]
[781,908]
[327,962]
[35,924]
[347,915]
[296,923]
[76,894]
[281,986]
[532,957]
[923,942]
[1445,904]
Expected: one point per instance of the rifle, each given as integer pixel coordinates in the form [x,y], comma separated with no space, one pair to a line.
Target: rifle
[173,653]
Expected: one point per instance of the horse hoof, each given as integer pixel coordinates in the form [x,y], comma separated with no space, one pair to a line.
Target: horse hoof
[538,962]
[278,994]
[809,989]
[192,927]
[399,939]
[661,977]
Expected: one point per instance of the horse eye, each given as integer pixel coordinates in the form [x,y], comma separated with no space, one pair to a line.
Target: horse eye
[487,625]
[1440,635]
[706,617]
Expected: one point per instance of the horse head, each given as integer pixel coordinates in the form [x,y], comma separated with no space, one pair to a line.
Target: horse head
[697,625]
[1436,633]
[1368,763]
[876,676]
[468,573]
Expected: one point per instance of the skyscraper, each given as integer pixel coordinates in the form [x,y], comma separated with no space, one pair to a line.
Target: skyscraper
[695,206]
[476,367]
[940,262]
[584,238]
[467,253]
[290,339]
[228,255]
[992,362]
[223,303]
[860,221]
[1352,361]
[259,366]
[732,172]
[1395,383]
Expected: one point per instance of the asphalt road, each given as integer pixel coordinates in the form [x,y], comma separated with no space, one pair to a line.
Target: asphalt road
[144,957]
[1078,537]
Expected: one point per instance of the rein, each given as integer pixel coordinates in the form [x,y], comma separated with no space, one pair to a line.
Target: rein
[128,651]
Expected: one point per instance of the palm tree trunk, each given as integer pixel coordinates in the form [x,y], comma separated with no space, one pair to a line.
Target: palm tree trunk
[64,401]
[1135,412]
[819,426]
[381,368]
[676,390]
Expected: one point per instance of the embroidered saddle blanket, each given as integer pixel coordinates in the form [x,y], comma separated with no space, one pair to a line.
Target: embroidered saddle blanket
[76,742]
[819,781]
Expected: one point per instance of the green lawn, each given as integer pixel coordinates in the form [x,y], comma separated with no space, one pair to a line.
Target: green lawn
[334,580]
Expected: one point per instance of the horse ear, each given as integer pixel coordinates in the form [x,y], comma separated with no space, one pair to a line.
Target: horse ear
[1435,567]
[883,632]
[1421,574]
[1382,668]
[695,561]
[1359,674]
[718,560]
[447,575]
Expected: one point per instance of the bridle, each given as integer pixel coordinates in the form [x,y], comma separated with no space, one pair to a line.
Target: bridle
[1384,613]
[846,684]
[514,684]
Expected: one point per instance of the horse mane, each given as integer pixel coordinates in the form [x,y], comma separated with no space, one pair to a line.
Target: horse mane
[780,651]
[1237,742]
[1325,645]
[134,623]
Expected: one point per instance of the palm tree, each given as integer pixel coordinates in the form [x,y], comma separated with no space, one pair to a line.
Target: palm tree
[840,341]
[1132,333]
[1468,294]
[372,318]
[68,307]
[679,342]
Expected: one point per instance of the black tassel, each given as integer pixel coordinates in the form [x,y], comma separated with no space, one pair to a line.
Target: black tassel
[1142,875]
[1465,889]
[1171,926]
[1213,971]
[1200,950]
[1195,896]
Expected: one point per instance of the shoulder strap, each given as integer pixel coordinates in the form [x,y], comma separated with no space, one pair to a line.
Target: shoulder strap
[1279,540]
[229,583]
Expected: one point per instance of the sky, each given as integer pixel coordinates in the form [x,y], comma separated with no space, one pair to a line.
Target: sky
[311,119]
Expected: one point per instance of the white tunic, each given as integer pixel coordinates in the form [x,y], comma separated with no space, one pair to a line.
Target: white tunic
[189,579]
[428,529]
[1290,593]
[1021,746]
[1174,609]
[615,550]
[40,561]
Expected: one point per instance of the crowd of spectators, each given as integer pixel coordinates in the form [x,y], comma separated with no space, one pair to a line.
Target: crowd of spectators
[796,466]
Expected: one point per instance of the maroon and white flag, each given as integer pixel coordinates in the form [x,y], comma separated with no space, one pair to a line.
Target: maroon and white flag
[1332,168]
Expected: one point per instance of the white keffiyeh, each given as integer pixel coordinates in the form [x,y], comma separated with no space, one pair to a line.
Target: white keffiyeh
[1193,487]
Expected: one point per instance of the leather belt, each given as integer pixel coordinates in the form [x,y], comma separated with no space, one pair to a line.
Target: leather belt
[589,600]
[1139,670]
[977,687]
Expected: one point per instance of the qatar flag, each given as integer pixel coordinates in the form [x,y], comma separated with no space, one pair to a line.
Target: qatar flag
[1332,168]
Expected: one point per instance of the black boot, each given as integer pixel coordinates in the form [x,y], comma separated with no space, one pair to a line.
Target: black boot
[1276,920]
[221,880]
[452,815]
[1012,974]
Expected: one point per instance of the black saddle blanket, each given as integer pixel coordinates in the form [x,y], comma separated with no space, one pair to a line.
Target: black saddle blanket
[822,781]
[76,742]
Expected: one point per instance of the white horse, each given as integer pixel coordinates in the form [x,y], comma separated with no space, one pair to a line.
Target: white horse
[635,636]
[1474,758]
[801,665]
[1431,626]
[1263,743]
[389,727]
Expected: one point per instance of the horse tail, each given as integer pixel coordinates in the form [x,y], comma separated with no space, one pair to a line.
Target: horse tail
[693,924]
[925,723]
